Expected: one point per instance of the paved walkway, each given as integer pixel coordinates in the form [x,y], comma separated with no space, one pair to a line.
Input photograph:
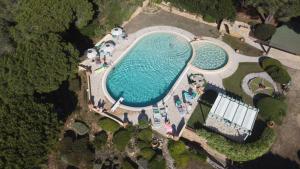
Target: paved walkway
[287,59]
[250,76]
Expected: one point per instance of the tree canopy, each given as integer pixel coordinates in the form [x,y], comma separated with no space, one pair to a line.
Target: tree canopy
[36,16]
[282,10]
[28,130]
[39,65]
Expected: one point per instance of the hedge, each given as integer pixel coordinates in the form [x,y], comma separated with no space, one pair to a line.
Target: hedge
[121,139]
[108,125]
[272,109]
[279,74]
[264,31]
[267,62]
[240,152]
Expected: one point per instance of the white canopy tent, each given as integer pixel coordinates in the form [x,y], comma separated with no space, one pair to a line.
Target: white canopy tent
[234,114]
[91,53]
[106,49]
[115,32]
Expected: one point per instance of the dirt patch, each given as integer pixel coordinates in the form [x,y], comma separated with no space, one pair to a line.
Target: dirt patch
[287,144]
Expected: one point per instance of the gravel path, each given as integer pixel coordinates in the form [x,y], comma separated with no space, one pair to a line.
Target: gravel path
[167,156]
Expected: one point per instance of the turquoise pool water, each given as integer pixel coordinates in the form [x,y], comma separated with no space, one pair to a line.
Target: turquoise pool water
[149,70]
[209,56]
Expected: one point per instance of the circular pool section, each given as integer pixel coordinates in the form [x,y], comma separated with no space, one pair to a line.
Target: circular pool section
[149,69]
[209,56]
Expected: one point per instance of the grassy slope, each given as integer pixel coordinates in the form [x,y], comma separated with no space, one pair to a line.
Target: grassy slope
[233,83]
[243,47]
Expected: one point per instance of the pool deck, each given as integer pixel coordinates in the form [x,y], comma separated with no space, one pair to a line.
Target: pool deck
[98,80]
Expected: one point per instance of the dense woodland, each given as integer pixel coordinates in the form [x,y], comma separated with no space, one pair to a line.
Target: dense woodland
[39,56]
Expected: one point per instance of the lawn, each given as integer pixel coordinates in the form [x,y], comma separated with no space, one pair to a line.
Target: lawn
[199,116]
[233,83]
[243,47]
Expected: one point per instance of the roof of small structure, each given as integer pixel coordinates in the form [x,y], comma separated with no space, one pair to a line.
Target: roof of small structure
[286,39]
[234,112]
[107,47]
[91,53]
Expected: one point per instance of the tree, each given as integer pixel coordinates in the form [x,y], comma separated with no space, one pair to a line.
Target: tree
[145,135]
[264,32]
[281,10]
[100,140]
[39,64]
[28,130]
[38,16]
[121,139]
[147,153]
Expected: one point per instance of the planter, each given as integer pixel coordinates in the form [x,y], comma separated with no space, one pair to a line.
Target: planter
[271,124]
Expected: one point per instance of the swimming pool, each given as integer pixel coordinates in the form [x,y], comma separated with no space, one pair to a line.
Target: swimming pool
[209,56]
[149,69]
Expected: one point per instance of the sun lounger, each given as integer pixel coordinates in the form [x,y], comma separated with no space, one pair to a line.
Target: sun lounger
[156,117]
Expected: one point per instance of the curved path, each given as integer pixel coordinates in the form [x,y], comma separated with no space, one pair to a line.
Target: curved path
[250,76]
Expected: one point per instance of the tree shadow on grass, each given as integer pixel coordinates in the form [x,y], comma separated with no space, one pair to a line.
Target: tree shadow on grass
[270,161]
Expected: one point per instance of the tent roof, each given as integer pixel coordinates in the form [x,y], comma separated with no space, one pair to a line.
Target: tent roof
[286,39]
[234,111]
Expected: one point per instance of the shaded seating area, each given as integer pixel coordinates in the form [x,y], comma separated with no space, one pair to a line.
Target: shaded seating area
[231,118]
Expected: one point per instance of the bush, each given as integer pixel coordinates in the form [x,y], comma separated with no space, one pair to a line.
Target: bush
[240,152]
[80,128]
[108,125]
[264,31]
[176,147]
[100,140]
[279,74]
[145,135]
[272,109]
[158,162]
[121,139]
[147,153]
[268,62]
[208,18]
[142,144]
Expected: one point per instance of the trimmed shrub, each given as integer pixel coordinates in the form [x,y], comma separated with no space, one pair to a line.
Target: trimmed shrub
[144,122]
[80,128]
[272,109]
[267,62]
[176,147]
[108,125]
[240,152]
[121,139]
[279,74]
[264,31]
[100,140]
[158,162]
[145,135]
[208,18]
[147,153]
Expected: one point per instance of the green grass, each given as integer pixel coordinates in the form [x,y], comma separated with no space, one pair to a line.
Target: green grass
[199,116]
[243,47]
[234,82]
